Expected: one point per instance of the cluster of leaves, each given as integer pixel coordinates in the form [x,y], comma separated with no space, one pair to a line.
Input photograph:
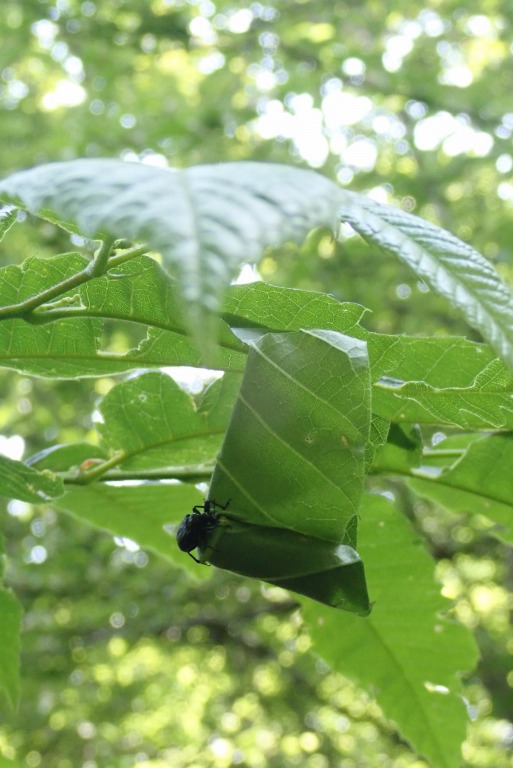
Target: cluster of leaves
[190,81]
[323,401]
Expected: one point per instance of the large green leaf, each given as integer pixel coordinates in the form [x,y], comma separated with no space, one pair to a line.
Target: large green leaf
[206,220]
[302,417]
[487,404]
[415,380]
[478,481]
[150,422]
[141,291]
[292,466]
[444,381]
[51,350]
[451,267]
[441,362]
[331,574]
[406,653]
[270,307]
[428,380]
[72,345]
[10,629]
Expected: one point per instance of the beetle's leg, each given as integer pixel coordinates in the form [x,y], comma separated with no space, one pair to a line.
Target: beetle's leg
[221,506]
[197,508]
[196,559]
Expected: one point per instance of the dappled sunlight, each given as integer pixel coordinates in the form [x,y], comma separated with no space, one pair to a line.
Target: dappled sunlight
[454,135]
[65,94]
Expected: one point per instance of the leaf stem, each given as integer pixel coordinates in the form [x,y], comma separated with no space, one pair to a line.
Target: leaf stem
[96,472]
[102,261]
[106,472]
[127,255]
[99,263]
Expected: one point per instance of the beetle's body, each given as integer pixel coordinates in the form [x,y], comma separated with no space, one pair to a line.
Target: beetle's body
[195,529]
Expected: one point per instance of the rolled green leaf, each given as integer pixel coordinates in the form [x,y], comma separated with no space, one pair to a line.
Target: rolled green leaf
[332,574]
[286,490]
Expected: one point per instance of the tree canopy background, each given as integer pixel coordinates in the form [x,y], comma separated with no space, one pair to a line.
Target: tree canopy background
[125,660]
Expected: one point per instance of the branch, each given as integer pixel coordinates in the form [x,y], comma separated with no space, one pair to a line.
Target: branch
[102,261]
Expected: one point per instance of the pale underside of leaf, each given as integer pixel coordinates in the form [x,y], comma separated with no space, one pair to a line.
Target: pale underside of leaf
[449,266]
[206,220]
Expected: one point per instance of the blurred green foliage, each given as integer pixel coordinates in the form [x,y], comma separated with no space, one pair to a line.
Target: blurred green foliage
[126,661]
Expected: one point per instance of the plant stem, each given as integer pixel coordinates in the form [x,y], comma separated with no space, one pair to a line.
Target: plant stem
[98,266]
[105,472]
